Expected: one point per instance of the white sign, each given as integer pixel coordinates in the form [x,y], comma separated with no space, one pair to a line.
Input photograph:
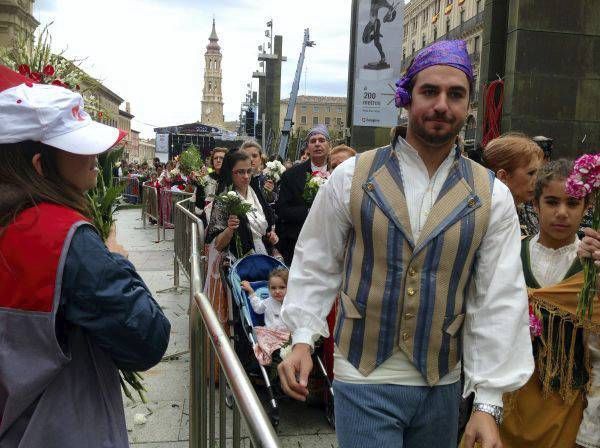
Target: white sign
[378,58]
[162,143]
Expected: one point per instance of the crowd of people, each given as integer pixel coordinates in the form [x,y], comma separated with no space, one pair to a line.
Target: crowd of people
[427,260]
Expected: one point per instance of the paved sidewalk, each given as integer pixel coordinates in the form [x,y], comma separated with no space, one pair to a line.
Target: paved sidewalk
[167,411]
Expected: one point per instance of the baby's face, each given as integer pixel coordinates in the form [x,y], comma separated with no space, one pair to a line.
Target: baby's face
[277,288]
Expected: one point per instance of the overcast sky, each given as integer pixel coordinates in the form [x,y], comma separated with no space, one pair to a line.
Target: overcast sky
[151,52]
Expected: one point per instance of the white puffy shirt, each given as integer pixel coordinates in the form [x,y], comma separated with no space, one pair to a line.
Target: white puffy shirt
[271,308]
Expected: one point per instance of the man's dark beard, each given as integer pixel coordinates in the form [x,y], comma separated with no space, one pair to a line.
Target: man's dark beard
[436,140]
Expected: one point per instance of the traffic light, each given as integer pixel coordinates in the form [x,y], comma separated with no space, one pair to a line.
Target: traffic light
[249,122]
[258,132]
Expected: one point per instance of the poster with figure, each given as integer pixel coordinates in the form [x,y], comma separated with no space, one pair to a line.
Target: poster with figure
[162,147]
[377,61]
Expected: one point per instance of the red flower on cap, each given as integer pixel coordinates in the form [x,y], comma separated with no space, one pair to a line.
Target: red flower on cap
[48,70]
[181,187]
[57,82]
[36,77]
[24,69]
[100,114]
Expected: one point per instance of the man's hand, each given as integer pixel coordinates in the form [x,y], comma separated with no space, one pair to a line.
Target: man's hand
[482,428]
[294,371]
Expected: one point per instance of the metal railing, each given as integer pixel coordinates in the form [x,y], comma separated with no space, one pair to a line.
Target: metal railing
[150,207]
[184,222]
[167,202]
[209,343]
[132,192]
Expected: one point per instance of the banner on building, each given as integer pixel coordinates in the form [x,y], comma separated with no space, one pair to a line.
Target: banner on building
[377,61]
[162,147]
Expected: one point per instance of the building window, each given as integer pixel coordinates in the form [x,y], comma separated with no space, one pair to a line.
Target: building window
[327,121]
[340,110]
[328,109]
[303,108]
[316,109]
[315,120]
[303,119]
[448,25]
[423,42]
[435,34]
[462,16]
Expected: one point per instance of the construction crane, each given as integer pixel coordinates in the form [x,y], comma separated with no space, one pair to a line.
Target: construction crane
[287,122]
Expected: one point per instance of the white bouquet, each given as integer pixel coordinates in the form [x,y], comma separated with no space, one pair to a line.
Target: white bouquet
[274,170]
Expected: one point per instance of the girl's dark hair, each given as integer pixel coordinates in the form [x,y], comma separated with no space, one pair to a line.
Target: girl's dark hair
[554,170]
[282,273]
[229,161]
[21,186]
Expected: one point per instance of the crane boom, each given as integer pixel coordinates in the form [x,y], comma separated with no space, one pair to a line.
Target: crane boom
[287,122]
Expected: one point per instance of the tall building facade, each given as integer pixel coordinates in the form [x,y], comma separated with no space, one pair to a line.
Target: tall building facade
[313,110]
[212,95]
[16,16]
[426,21]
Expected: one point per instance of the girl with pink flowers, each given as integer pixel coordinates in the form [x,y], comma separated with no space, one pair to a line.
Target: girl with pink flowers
[548,410]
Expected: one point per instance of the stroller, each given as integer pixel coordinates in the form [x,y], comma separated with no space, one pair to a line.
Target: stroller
[256,269]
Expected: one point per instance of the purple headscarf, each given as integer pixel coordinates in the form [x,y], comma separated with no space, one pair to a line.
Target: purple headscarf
[318,129]
[445,52]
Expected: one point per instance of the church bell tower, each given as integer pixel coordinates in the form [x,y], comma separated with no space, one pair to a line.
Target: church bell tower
[212,96]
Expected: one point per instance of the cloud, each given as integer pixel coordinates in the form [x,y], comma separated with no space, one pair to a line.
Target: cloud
[151,52]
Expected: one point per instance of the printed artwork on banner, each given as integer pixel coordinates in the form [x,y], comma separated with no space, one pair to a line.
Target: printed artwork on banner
[162,147]
[378,58]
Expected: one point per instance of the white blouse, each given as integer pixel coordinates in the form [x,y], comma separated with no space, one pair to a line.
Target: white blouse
[549,266]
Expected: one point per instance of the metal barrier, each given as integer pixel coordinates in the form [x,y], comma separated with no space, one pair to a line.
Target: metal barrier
[209,342]
[167,201]
[150,208]
[132,192]
[183,239]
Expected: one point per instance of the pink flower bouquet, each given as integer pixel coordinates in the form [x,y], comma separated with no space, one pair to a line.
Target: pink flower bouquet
[584,181]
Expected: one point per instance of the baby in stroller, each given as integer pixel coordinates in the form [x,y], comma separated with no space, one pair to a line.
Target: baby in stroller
[274,334]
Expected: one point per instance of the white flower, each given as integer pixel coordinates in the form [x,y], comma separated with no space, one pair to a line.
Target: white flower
[232,194]
[317,181]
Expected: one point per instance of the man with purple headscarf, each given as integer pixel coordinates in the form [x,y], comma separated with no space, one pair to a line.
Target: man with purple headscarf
[422,247]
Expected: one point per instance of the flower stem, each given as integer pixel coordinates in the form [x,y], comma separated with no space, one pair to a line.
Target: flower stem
[585,307]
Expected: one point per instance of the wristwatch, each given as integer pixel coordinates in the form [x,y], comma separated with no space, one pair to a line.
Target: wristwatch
[495,411]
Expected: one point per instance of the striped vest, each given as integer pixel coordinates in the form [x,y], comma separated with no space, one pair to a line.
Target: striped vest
[400,294]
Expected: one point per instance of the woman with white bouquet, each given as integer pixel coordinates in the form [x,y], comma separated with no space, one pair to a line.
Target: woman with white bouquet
[253,230]
[240,223]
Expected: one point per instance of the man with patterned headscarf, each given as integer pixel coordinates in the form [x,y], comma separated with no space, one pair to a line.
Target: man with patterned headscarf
[422,247]
[291,207]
